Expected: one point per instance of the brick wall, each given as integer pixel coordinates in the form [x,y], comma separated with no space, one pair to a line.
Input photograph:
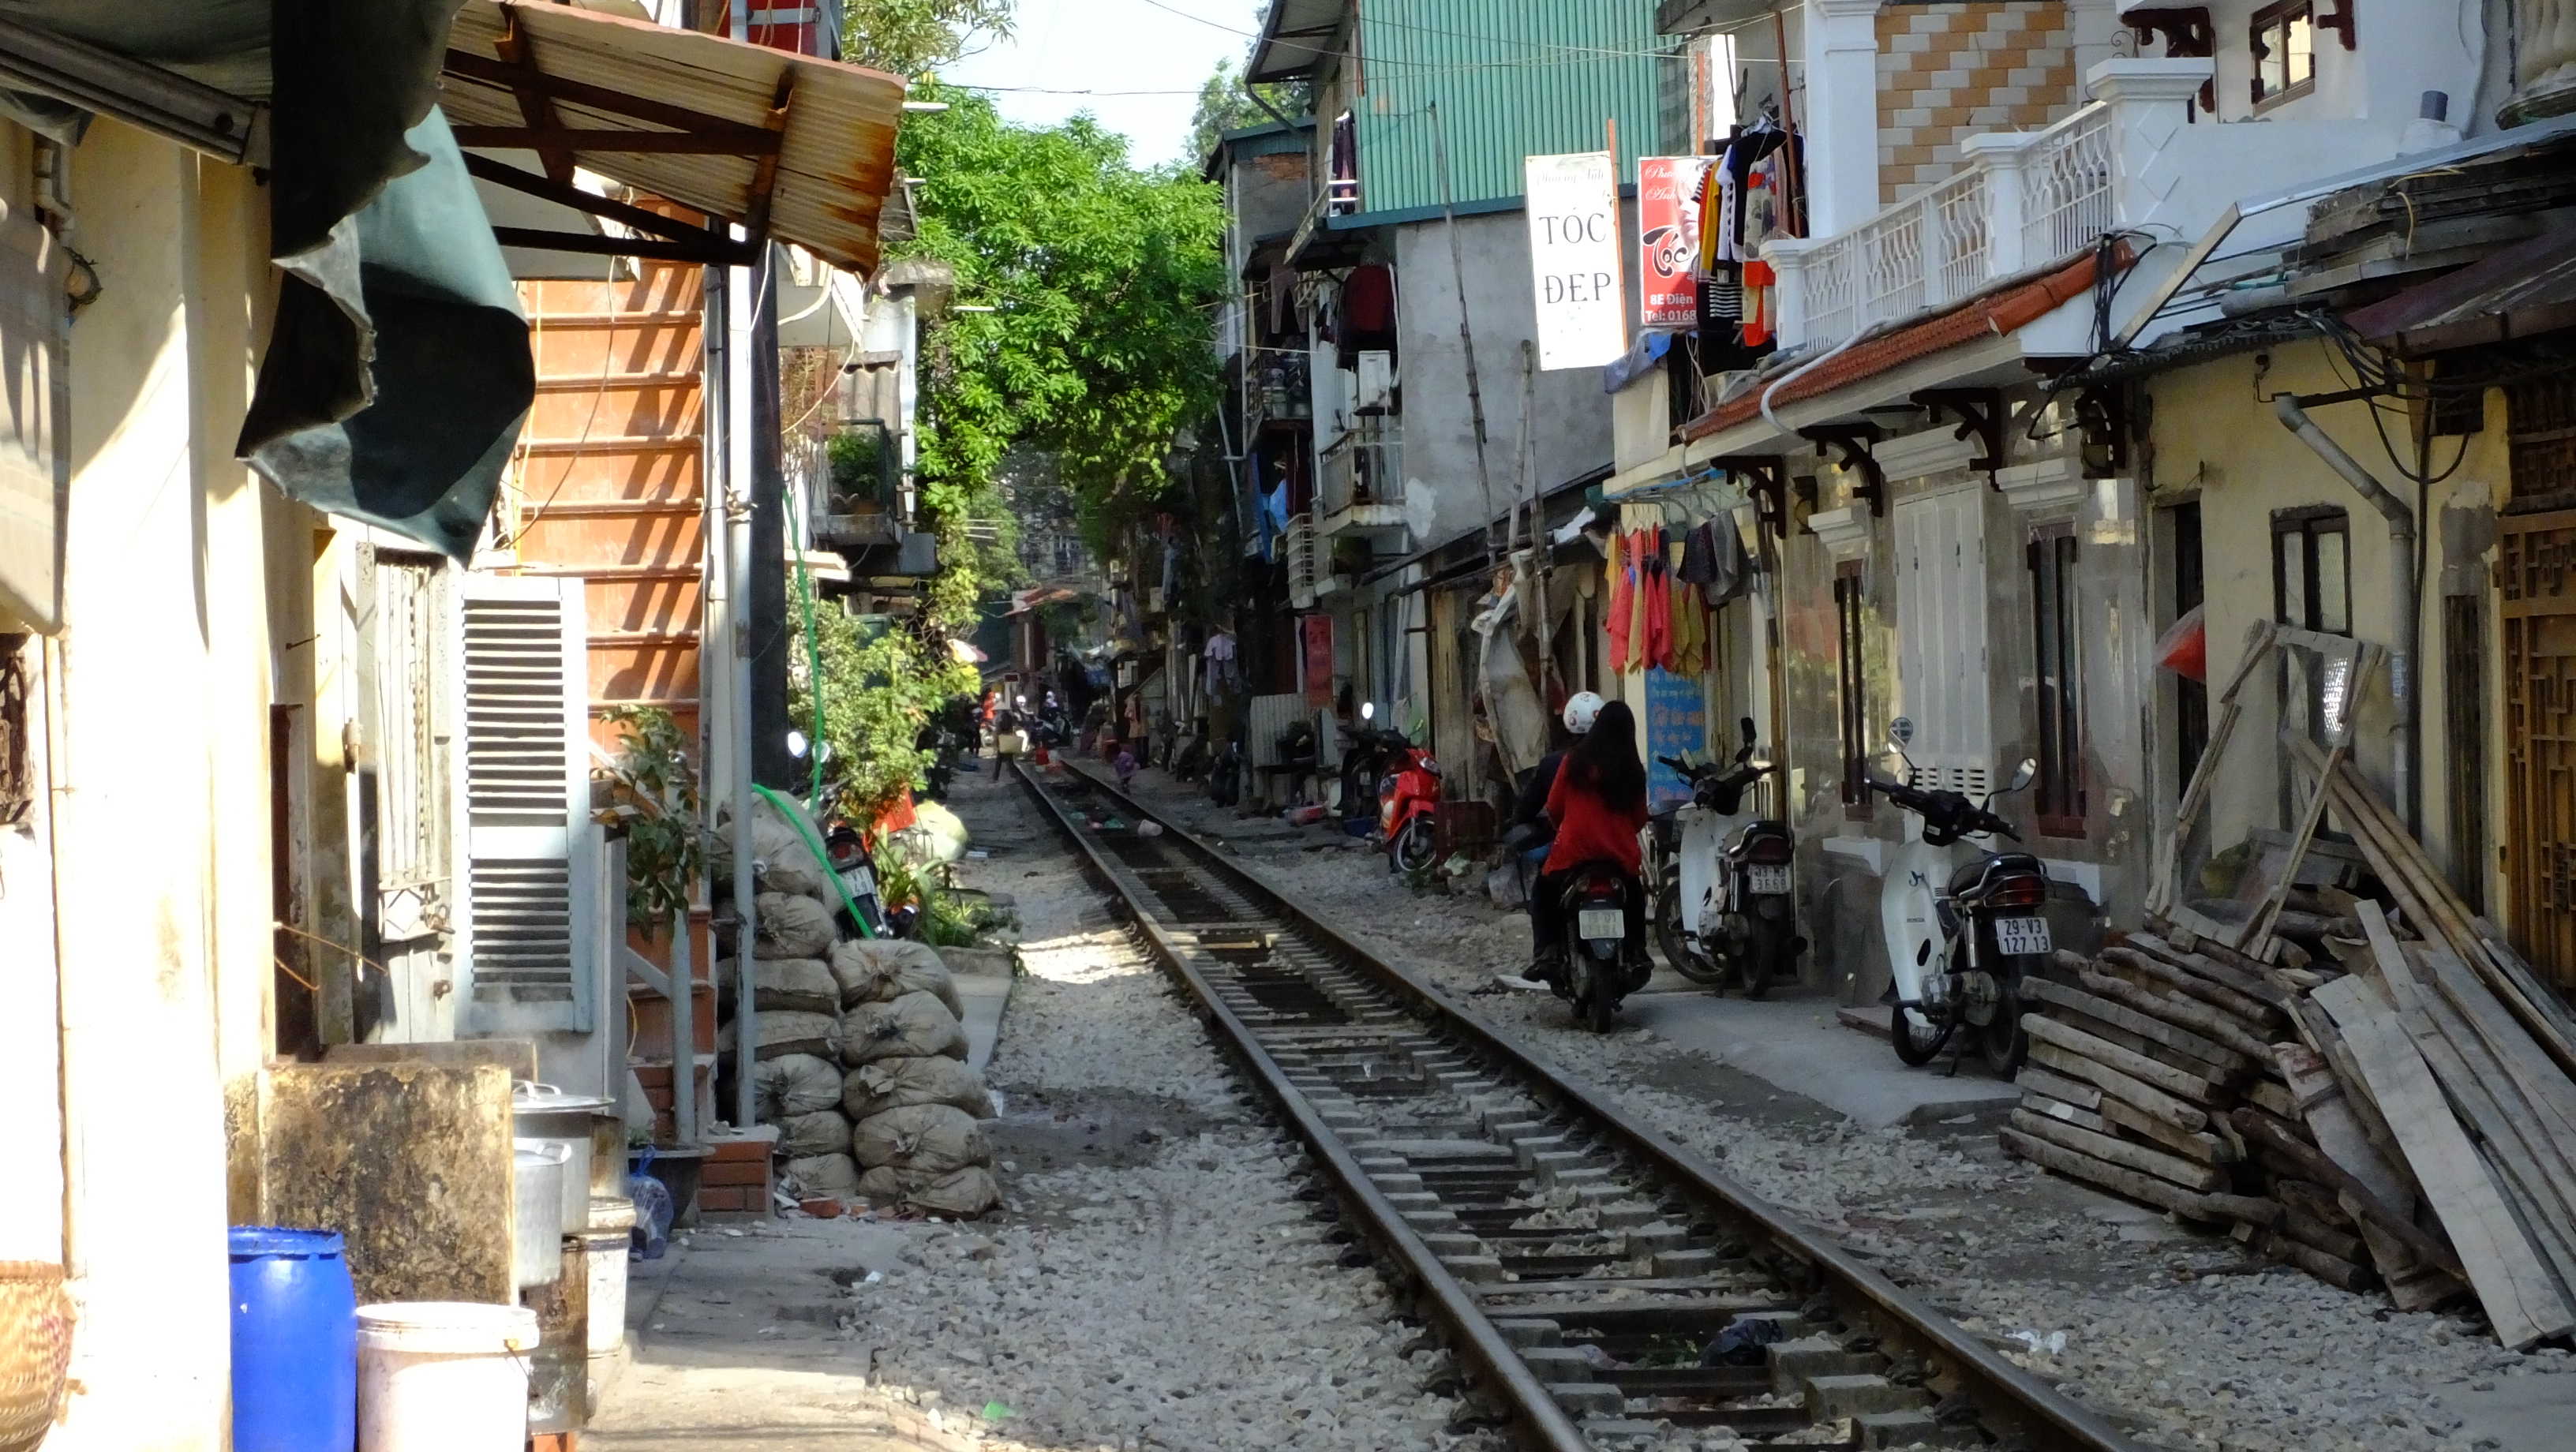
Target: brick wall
[1950,71]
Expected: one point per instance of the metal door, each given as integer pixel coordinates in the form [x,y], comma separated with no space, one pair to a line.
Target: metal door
[2538,577]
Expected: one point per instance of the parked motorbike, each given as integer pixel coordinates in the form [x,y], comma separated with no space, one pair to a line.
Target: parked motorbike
[858,874]
[1408,796]
[1963,927]
[1598,972]
[1723,907]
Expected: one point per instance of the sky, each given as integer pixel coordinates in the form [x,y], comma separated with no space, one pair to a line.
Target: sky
[1106,46]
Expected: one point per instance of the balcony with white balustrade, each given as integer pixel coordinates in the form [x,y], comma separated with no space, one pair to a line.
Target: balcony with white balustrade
[2135,162]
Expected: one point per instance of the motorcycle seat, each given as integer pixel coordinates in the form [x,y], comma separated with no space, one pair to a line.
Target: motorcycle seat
[1969,875]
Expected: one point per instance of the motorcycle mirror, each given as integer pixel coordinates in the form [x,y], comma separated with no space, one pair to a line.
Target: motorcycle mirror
[1368,710]
[1746,726]
[2024,774]
[796,744]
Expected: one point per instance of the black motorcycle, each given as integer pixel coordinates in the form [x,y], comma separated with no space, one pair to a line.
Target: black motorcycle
[1598,971]
[1741,927]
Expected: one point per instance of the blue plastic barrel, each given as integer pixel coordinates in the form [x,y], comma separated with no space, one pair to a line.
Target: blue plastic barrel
[295,1342]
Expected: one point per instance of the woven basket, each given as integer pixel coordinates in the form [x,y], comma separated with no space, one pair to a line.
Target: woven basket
[35,1350]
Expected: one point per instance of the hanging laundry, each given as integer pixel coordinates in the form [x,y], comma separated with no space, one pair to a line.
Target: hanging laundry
[1759,279]
[1655,581]
[1696,568]
[1688,632]
[1615,616]
[1730,572]
[1641,624]
[1368,313]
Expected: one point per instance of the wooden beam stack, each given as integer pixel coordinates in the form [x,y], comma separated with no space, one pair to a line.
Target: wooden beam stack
[2402,1115]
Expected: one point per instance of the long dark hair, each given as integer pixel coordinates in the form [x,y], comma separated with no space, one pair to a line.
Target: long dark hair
[1604,760]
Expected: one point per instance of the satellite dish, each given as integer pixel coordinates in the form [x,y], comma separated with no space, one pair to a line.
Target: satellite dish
[1421,507]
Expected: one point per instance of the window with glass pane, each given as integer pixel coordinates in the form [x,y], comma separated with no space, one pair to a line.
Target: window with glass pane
[2284,44]
[2311,584]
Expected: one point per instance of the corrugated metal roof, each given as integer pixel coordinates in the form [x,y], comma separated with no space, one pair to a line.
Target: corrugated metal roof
[833,160]
[1510,78]
[1296,38]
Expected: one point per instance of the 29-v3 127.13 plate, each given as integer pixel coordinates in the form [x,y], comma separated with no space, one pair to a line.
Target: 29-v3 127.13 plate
[2022,935]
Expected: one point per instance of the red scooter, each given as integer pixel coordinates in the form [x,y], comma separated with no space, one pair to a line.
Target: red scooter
[1408,794]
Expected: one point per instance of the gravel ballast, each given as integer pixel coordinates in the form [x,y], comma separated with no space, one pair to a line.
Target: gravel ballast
[1151,1282]
[2173,1333]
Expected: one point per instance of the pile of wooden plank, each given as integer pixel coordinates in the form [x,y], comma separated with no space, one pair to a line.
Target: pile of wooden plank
[2400,1112]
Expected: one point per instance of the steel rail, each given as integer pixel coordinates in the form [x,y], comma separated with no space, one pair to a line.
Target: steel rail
[2008,1399]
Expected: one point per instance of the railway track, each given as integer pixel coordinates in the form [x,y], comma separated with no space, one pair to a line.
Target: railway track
[1575,1262]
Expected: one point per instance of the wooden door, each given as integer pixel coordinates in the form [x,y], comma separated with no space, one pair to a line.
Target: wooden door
[2539,618]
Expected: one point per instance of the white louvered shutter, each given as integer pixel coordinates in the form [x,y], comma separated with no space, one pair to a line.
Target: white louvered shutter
[1941,638]
[529,881]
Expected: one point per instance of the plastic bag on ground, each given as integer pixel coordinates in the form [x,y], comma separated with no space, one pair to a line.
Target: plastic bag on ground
[653,1212]
[930,1139]
[969,1191]
[791,927]
[781,1034]
[800,985]
[794,1084]
[824,1132]
[809,1176]
[903,1083]
[936,834]
[914,1026]
[884,969]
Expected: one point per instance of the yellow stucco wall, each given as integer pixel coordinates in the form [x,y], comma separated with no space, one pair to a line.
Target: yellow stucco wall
[162,679]
[2214,431]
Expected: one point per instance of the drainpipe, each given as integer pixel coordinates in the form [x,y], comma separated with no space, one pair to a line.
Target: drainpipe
[2401,543]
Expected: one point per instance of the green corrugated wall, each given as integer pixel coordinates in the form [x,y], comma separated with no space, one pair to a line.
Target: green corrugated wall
[1512,78]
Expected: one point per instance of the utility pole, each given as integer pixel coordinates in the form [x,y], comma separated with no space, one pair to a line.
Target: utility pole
[1466,333]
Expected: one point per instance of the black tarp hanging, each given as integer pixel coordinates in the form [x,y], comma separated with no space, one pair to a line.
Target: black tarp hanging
[397,371]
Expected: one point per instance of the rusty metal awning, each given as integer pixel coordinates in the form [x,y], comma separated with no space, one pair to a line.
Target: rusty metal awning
[2519,292]
[784,146]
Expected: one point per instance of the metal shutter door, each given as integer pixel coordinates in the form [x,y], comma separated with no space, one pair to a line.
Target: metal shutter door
[529,884]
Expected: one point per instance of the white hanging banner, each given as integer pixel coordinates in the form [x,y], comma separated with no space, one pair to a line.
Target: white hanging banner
[1575,266]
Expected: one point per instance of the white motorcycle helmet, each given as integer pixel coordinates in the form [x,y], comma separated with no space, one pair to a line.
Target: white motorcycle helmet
[1580,711]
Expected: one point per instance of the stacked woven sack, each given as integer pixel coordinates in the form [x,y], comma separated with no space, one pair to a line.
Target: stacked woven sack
[855,1030]
[913,1102]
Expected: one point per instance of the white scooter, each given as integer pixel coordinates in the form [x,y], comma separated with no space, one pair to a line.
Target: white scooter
[1722,880]
[1962,927]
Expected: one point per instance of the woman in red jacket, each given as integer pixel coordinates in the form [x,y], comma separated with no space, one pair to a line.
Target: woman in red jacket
[1599,806]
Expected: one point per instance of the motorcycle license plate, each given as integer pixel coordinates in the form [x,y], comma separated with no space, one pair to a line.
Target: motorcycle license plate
[1597,923]
[860,881]
[2022,935]
[1767,881]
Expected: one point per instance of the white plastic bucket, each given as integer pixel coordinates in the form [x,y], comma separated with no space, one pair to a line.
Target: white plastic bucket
[604,1244]
[443,1376]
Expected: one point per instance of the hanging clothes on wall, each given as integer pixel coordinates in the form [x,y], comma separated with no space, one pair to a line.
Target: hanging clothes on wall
[1654,581]
[1367,313]
[1622,588]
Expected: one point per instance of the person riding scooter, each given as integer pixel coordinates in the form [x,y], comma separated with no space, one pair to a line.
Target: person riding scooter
[1529,834]
[1598,806]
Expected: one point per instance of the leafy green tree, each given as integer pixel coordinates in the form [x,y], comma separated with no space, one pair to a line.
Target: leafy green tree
[1102,281]
[882,684]
[1223,107]
[908,37]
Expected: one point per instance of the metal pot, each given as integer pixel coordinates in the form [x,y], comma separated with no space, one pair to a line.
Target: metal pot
[536,1247]
[544,1112]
